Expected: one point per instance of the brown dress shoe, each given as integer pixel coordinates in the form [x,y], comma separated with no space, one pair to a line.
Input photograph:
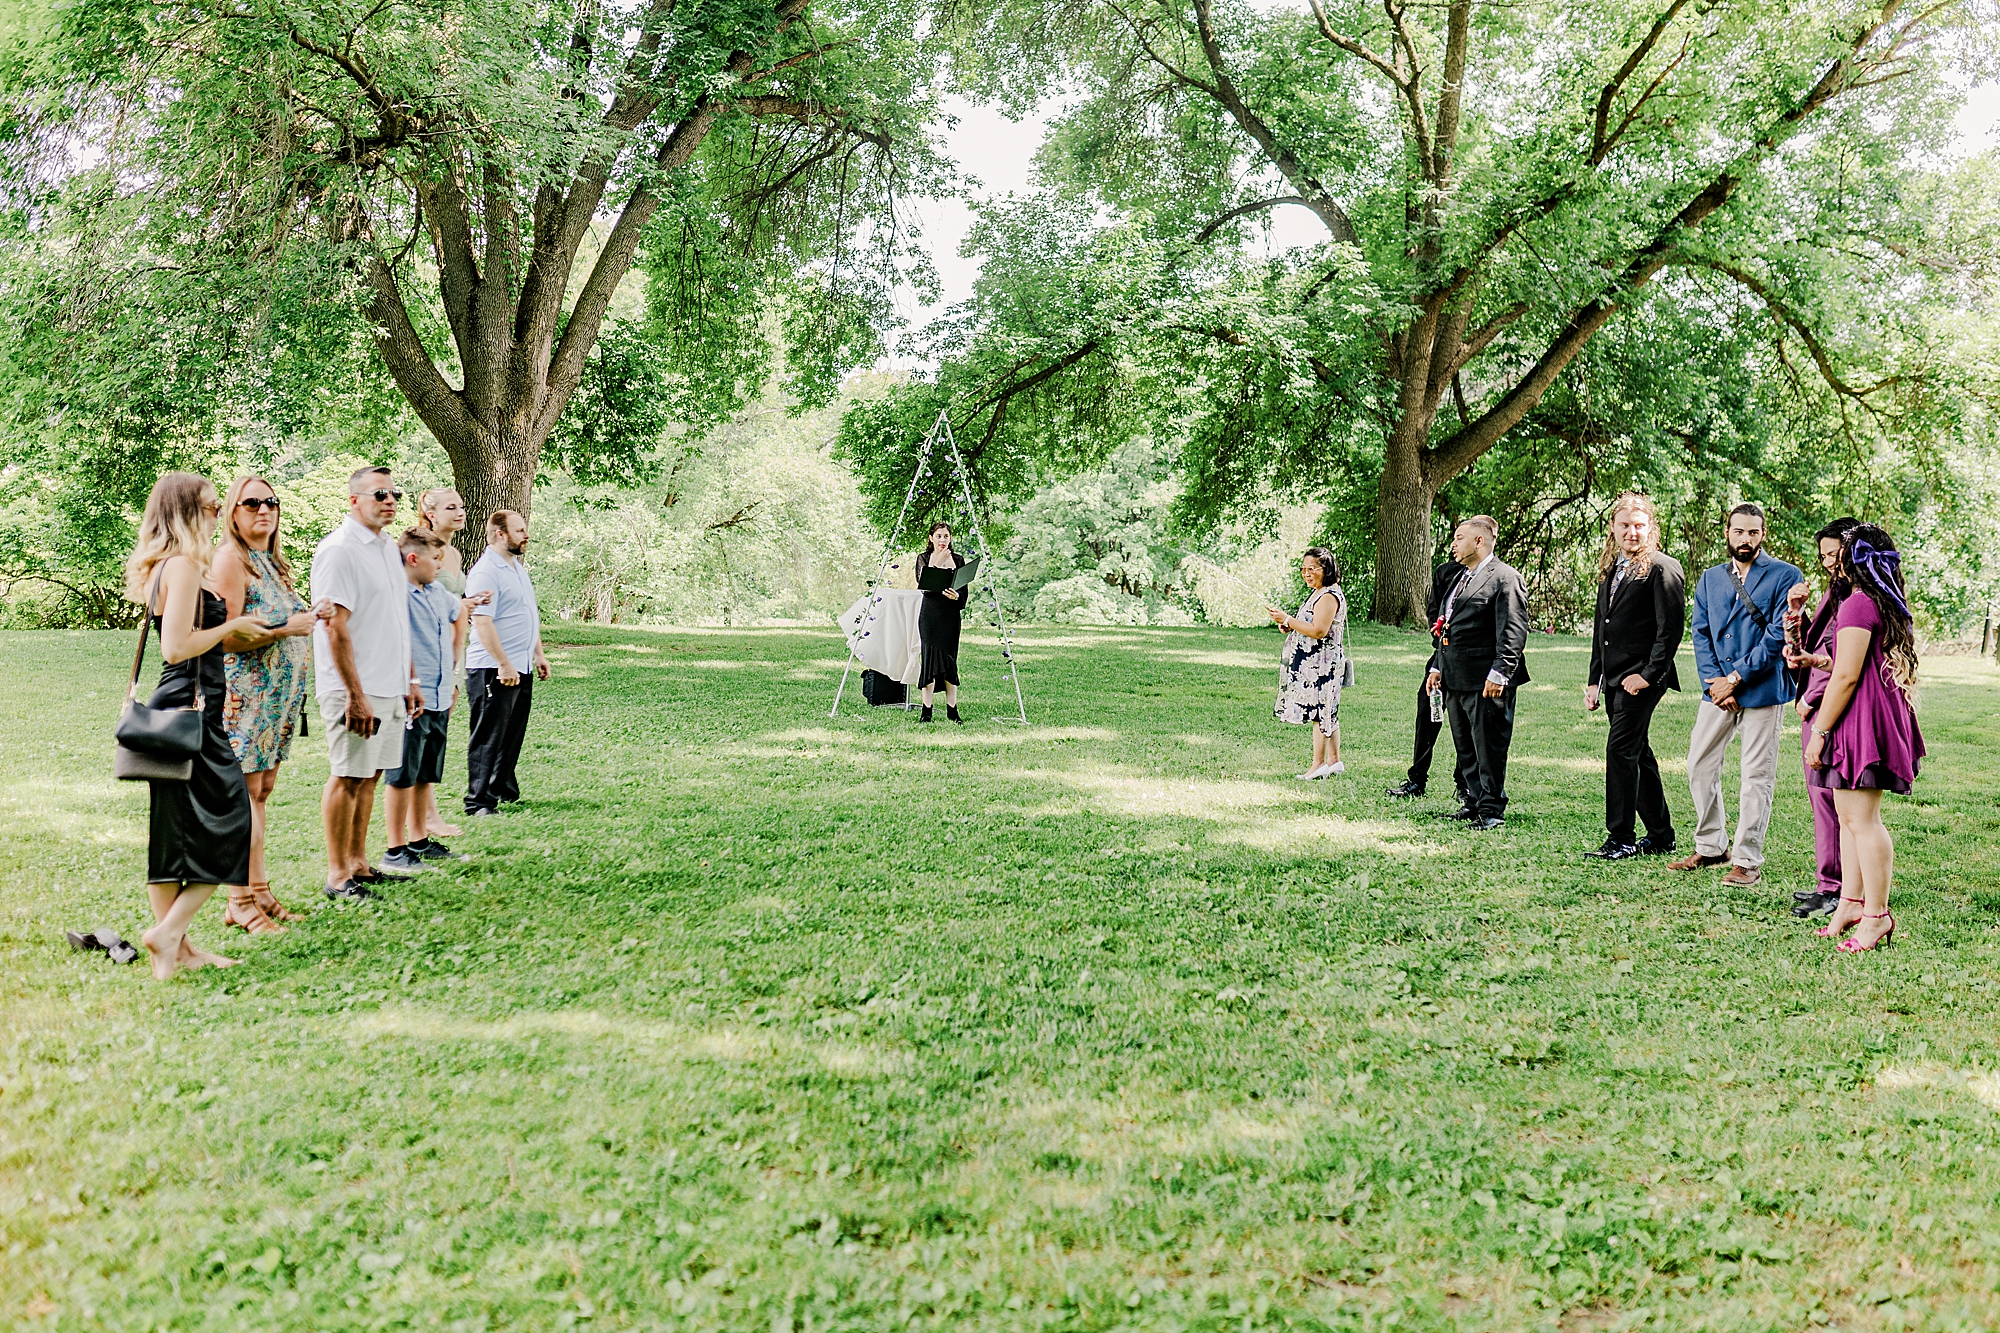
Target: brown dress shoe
[1695,861]
[1742,877]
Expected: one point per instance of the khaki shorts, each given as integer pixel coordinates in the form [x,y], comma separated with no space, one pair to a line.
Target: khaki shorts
[355,756]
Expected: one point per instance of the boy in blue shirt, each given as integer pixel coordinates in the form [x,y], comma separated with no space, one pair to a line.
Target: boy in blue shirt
[433,612]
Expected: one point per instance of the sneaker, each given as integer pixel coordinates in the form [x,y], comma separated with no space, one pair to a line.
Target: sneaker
[482,813]
[403,860]
[349,891]
[433,850]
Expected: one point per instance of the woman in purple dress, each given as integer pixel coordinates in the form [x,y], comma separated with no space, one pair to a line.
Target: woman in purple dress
[1864,733]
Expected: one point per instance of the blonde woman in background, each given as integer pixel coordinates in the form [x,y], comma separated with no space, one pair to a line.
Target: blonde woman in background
[198,835]
[442,510]
[267,675]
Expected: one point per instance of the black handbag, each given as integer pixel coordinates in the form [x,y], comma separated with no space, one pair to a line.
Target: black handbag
[156,744]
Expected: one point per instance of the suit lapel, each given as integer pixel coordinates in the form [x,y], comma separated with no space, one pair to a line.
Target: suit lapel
[1474,581]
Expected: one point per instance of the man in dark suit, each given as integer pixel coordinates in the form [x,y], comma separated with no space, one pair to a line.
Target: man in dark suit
[1442,582]
[1641,611]
[1482,632]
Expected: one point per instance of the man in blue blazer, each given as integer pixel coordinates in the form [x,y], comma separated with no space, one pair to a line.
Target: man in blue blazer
[1739,641]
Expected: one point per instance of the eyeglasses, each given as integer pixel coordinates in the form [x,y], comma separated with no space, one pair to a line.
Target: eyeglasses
[380,496]
[269,502]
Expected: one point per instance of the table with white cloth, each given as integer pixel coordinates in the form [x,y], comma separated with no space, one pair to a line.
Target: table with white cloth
[889,642]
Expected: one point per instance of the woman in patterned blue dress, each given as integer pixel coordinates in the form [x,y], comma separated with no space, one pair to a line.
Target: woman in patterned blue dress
[1313,661]
[268,676]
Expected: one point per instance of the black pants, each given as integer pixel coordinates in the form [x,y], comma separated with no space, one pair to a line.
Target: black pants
[499,725]
[1427,739]
[1481,731]
[1631,774]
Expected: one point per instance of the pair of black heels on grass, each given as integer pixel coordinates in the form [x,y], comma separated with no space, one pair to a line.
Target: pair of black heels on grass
[950,711]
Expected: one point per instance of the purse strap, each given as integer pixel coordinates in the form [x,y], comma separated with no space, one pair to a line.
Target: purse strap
[146,628]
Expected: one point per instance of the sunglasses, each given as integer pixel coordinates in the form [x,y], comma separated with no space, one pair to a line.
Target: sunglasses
[380,496]
[269,502]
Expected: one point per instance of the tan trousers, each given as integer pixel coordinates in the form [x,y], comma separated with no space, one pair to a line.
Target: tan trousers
[1713,729]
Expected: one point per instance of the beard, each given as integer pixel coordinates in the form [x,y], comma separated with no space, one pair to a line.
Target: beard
[1744,554]
[516,548]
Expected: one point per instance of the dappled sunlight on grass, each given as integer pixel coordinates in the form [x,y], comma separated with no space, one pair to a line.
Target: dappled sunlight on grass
[1139,797]
[662,1040]
[1983,1086]
[1241,660]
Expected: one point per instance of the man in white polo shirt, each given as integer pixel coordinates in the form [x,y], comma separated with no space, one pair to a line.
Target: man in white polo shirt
[362,672]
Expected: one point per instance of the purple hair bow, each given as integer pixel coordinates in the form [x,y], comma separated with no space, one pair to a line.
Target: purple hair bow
[1885,567]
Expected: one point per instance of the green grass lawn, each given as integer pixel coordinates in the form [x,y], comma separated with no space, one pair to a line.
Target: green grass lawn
[748,1018]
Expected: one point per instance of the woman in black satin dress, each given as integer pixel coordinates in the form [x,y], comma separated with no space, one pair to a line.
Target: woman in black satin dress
[938,625]
[200,830]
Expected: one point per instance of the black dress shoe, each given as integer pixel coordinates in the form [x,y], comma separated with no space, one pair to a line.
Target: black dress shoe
[1807,895]
[1614,851]
[1817,904]
[1463,812]
[1407,789]
[1487,825]
[1648,847]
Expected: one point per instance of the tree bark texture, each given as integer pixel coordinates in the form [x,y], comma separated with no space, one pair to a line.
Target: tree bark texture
[1421,361]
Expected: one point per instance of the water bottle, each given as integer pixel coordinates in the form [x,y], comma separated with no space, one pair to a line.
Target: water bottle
[1437,704]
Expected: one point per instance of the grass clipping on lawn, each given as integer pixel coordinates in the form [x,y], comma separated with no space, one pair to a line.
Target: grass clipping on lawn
[752,1018]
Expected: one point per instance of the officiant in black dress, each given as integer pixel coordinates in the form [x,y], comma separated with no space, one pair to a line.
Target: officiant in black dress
[938,625]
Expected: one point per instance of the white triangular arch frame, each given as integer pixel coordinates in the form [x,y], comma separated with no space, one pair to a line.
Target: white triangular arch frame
[941,429]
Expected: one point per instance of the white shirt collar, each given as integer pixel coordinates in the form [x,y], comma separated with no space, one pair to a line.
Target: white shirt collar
[358,530]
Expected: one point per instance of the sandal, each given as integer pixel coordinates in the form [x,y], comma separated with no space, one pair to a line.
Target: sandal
[1827,931]
[246,915]
[267,902]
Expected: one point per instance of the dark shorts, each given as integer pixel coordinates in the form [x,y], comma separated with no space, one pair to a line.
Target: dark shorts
[423,751]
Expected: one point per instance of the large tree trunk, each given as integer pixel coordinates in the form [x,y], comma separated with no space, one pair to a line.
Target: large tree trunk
[1402,536]
[492,472]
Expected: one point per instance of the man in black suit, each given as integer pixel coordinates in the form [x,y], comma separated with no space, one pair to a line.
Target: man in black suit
[1442,582]
[1641,611]
[1482,632]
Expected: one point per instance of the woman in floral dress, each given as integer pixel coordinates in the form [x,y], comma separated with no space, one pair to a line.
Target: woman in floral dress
[1314,660]
[267,680]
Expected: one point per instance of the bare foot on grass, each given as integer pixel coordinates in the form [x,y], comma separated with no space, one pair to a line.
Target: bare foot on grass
[192,957]
[440,829]
[165,961]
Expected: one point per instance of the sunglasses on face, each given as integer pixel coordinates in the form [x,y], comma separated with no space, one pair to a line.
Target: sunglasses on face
[269,502]
[380,496]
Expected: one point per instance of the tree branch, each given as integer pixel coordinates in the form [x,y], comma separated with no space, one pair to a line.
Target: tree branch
[1790,318]
[1241,209]
[1315,194]
[1461,450]
[1602,139]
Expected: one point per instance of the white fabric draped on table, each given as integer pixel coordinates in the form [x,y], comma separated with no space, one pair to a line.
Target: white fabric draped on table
[891,644]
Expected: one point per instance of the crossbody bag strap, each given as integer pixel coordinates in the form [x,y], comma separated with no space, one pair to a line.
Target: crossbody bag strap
[145,628]
[1743,596]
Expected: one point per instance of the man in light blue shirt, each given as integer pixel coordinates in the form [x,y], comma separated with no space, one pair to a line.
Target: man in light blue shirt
[1739,639]
[506,632]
